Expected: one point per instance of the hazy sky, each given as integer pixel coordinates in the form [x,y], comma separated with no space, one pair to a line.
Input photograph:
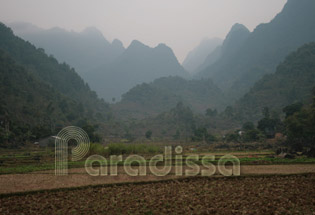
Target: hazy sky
[181,24]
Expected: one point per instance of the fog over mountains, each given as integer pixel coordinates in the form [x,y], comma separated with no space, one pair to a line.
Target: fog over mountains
[233,41]
[82,50]
[138,64]
[198,55]
[263,49]
[109,68]
[144,81]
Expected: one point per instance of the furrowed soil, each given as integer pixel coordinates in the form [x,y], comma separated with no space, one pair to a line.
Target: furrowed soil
[294,194]
[78,177]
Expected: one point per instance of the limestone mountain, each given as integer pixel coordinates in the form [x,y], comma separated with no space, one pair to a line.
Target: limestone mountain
[138,64]
[84,50]
[233,41]
[197,56]
[264,48]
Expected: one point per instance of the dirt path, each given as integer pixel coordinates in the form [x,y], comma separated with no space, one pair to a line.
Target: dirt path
[78,177]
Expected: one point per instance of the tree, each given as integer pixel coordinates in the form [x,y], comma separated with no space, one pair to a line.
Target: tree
[201,134]
[91,132]
[232,137]
[211,113]
[293,108]
[266,112]
[300,129]
[148,134]
[248,126]
[252,135]
[269,126]
[228,112]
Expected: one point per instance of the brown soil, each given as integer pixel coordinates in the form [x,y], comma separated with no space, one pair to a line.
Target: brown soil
[78,177]
[264,195]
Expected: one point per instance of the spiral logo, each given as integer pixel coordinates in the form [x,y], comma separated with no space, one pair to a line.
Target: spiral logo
[61,148]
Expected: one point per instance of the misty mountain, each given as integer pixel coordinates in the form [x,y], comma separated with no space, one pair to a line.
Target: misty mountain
[291,83]
[233,41]
[264,48]
[197,56]
[151,99]
[138,64]
[84,51]
[59,77]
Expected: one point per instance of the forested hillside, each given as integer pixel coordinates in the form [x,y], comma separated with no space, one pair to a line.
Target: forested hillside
[29,108]
[292,83]
[39,94]
[61,77]
[164,93]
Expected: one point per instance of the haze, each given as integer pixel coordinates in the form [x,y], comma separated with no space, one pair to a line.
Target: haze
[181,24]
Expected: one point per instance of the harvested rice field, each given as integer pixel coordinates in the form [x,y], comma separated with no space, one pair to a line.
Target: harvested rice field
[278,194]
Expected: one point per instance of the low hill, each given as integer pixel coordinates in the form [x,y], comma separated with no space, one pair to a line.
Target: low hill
[163,94]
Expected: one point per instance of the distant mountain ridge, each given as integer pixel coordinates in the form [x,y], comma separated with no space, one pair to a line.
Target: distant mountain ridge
[264,48]
[84,50]
[109,68]
[138,64]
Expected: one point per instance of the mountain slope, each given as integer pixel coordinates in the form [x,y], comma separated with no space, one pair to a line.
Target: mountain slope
[231,44]
[164,93]
[138,64]
[29,108]
[60,77]
[197,56]
[265,48]
[292,82]
[84,51]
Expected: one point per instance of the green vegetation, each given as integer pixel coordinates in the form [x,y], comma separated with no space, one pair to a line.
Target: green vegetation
[164,93]
[290,84]
[123,148]
[148,134]
[300,128]
[39,96]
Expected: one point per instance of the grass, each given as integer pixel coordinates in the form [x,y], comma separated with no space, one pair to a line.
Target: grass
[32,167]
[123,149]
[26,162]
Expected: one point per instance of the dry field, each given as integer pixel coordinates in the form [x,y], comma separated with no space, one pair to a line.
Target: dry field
[294,194]
[78,177]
